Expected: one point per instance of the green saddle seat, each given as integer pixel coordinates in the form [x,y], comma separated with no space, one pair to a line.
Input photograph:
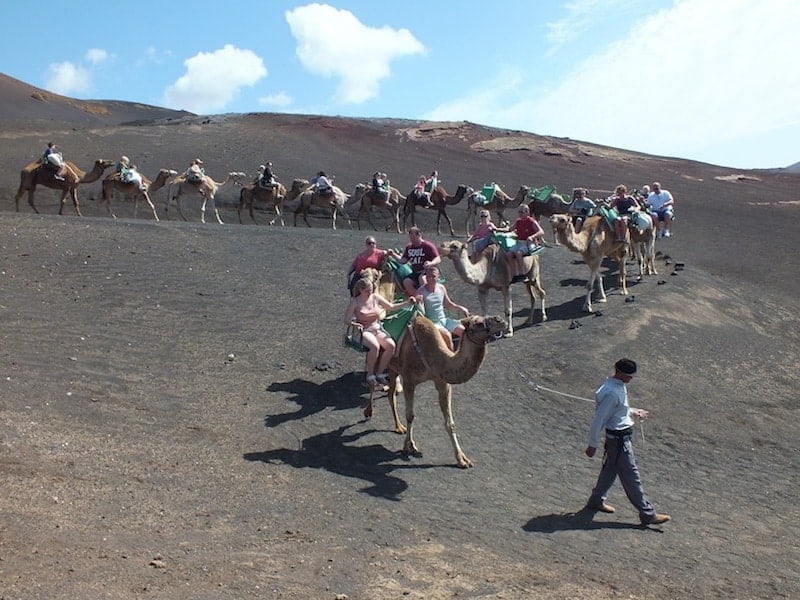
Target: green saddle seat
[541,194]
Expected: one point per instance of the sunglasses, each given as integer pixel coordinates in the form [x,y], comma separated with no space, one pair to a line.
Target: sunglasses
[370,243]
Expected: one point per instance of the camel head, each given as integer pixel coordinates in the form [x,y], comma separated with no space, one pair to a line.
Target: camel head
[298,185]
[452,248]
[371,275]
[560,222]
[481,330]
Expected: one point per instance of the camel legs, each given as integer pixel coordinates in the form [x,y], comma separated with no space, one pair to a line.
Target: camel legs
[594,275]
[20,193]
[409,212]
[73,194]
[214,206]
[442,213]
[394,388]
[180,209]
[445,403]
[278,211]
[534,288]
[152,206]
[471,211]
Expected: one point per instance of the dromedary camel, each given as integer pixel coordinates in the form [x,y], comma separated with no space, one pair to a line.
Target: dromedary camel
[499,202]
[643,245]
[370,200]
[553,204]
[440,200]
[493,271]
[307,197]
[206,188]
[36,173]
[271,196]
[423,356]
[593,243]
[113,185]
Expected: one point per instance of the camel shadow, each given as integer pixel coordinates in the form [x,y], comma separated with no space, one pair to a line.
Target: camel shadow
[581,520]
[332,452]
[339,394]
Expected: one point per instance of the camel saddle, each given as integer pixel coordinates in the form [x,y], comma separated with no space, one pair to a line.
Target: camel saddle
[394,324]
[541,194]
[486,195]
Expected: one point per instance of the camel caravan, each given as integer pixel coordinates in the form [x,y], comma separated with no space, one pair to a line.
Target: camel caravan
[400,314]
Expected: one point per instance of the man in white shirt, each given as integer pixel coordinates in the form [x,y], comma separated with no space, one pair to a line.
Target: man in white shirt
[661,202]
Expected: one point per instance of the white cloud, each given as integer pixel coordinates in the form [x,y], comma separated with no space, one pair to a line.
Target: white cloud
[334,43]
[572,26]
[67,79]
[95,56]
[213,79]
[702,71]
[279,100]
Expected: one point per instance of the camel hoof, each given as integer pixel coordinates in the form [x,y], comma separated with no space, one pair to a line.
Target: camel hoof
[368,412]
[464,462]
[412,451]
[399,428]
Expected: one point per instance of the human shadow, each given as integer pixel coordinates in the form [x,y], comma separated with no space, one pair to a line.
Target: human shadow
[583,520]
[333,452]
[342,393]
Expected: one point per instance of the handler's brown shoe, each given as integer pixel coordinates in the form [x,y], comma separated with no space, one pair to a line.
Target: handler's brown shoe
[604,508]
[656,519]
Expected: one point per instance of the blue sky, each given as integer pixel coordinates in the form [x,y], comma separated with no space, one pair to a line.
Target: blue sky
[709,80]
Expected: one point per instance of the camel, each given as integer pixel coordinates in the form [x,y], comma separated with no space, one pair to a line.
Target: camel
[593,243]
[643,245]
[500,201]
[370,200]
[493,271]
[36,173]
[113,185]
[422,355]
[441,200]
[272,196]
[206,188]
[306,193]
[553,204]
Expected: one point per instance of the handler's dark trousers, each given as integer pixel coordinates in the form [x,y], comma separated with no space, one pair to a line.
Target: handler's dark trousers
[618,460]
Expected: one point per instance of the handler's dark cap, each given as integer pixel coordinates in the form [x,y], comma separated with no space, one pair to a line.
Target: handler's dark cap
[625,365]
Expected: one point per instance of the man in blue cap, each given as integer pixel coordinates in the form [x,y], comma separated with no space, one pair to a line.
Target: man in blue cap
[613,414]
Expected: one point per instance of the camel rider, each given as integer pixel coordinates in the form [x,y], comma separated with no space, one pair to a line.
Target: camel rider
[267,179]
[386,187]
[322,185]
[432,181]
[195,172]
[129,174]
[435,299]
[53,159]
[377,182]
[624,204]
[580,209]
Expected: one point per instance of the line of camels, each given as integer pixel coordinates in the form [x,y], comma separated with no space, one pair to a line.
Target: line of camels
[594,242]
[400,208]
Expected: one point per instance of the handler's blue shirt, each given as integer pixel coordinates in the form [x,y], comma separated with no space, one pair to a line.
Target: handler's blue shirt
[611,410]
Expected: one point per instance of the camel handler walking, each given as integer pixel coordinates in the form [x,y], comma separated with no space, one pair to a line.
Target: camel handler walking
[613,414]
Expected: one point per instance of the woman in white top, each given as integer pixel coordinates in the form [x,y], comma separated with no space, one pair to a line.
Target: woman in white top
[435,298]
